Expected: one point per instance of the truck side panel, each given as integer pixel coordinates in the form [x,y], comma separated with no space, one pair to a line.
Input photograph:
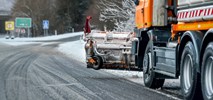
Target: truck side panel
[159,13]
[143,17]
[190,2]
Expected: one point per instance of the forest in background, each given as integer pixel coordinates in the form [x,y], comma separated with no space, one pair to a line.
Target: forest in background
[65,15]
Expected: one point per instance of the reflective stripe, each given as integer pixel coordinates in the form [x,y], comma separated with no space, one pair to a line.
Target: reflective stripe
[195,14]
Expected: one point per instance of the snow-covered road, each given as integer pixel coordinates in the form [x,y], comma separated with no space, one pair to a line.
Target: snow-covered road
[75,50]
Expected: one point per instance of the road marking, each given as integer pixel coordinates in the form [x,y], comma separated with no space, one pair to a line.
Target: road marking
[52,85]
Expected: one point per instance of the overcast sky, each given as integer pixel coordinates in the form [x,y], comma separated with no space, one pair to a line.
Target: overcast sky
[6,4]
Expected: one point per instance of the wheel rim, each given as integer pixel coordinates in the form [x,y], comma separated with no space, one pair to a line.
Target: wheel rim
[208,76]
[146,63]
[147,67]
[187,72]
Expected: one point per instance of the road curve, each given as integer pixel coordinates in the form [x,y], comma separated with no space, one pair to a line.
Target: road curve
[36,72]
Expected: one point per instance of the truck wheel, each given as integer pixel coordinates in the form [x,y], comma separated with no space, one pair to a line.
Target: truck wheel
[98,62]
[190,85]
[207,73]
[148,73]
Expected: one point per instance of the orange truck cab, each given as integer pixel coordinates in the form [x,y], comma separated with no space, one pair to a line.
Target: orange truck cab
[175,39]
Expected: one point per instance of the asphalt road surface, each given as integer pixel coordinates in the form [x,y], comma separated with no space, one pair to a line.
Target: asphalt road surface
[36,72]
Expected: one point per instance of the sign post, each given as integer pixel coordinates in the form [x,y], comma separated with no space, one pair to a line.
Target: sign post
[9,26]
[45,27]
[24,23]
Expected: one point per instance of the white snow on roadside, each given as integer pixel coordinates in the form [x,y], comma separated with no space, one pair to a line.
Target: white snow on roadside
[19,43]
[74,49]
[54,37]
[125,73]
[25,41]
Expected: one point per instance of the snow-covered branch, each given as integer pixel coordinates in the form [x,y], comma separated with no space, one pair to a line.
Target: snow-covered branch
[121,13]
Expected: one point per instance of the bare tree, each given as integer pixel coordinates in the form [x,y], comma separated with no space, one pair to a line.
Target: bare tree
[38,10]
[121,12]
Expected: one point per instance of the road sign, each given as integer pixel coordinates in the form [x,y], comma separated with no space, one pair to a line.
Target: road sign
[17,30]
[23,31]
[23,22]
[45,24]
[9,25]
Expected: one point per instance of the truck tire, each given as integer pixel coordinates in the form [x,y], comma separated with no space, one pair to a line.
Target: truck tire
[190,84]
[207,73]
[148,73]
[98,62]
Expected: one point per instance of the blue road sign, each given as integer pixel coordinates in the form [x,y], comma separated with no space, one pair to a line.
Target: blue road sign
[45,24]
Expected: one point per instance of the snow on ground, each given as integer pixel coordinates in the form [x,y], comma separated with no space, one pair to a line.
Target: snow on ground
[75,50]
[24,41]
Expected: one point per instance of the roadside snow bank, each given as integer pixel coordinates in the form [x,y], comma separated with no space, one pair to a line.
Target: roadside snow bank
[37,40]
[125,73]
[54,37]
[74,49]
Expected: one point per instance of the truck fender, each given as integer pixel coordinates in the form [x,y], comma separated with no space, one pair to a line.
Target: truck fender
[206,39]
[196,38]
[147,36]
[142,47]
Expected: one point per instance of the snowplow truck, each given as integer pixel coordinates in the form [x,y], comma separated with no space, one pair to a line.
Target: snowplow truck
[175,40]
[110,50]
